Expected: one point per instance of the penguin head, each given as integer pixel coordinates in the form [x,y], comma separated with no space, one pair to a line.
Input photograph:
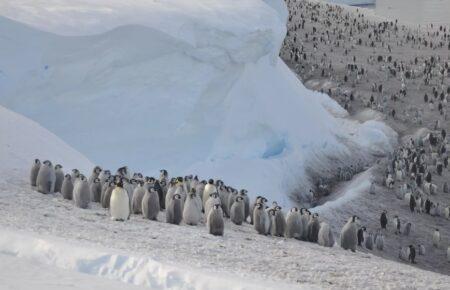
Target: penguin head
[196,178]
[271,211]
[315,215]
[67,176]
[294,209]
[203,182]
[97,169]
[192,195]
[97,180]
[176,196]
[216,206]
[58,166]
[119,183]
[354,218]
[243,192]
[211,181]
[259,206]
[37,161]
[180,179]
[47,162]
[82,177]
[107,172]
[151,179]
[239,198]
[163,173]
[277,208]
[75,171]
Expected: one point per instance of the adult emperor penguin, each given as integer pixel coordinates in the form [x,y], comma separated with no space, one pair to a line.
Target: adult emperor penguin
[313,228]
[82,192]
[174,212]
[67,187]
[119,206]
[96,190]
[46,177]
[305,220]
[294,224]
[95,174]
[209,189]
[436,238]
[150,204]
[106,196]
[260,219]
[237,211]
[192,213]
[138,195]
[325,237]
[211,202]
[215,221]
[278,226]
[59,177]
[349,238]
[34,171]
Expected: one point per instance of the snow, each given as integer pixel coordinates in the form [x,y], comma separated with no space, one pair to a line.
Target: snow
[195,87]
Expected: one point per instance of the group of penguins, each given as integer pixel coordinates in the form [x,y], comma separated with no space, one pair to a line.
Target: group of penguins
[187,199]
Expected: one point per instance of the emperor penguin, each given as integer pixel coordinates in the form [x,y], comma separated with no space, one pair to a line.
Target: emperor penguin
[325,237]
[212,200]
[119,205]
[294,224]
[407,229]
[372,188]
[260,219]
[106,197]
[192,213]
[209,189]
[278,226]
[46,177]
[170,192]
[224,195]
[174,213]
[243,193]
[349,238]
[368,241]
[259,199]
[237,211]
[150,205]
[199,189]
[215,221]
[67,187]
[436,238]
[104,176]
[123,172]
[95,174]
[231,199]
[136,201]
[305,220]
[163,176]
[34,171]
[313,228]
[379,241]
[96,190]
[421,250]
[82,192]
[158,188]
[75,174]
[59,177]
[181,190]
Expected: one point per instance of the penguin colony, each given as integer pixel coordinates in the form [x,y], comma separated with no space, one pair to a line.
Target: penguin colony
[184,199]
[348,51]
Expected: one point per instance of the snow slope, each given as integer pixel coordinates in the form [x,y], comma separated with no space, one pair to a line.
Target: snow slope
[22,140]
[189,86]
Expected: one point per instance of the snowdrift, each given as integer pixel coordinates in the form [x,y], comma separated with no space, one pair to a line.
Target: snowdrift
[22,140]
[195,87]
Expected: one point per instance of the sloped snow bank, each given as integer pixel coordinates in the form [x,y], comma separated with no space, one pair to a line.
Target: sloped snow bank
[142,271]
[195,87]
[22,141]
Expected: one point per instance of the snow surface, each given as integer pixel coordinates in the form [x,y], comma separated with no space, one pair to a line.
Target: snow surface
[195,87]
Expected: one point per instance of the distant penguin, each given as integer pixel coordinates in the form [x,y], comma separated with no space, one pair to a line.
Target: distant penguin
[313,228]
[243,193]
[237,211]
[67,187]
[96,190]
[136,201]
[174,212]
[448,254]
[192,213]
[412,254]
[445,187]
[59,177]
[278,226]
[159,190]
[325,236]
[407,229]
[211,202]
[259,199]
[294,224]
[379,241]
[46,177]
[305,220]
[104,176]
[421,250]
[106,195]
[75,174]
[260,219]
[95,174]
[209,189]
[372,188]
[82,192]
[361,235]
[34,171]
[119,205]
[215,221]
[150,205]
[404,253]
[231,199]
[436,238]
[383,220]
[368,241]
[349,237]
[397,225]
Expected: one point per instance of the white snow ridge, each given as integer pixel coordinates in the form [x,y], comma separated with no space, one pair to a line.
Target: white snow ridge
[189,86]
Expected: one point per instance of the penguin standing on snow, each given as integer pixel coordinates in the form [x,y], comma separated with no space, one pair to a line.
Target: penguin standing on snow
[325,236]
[215,221]
[436,238]
[106,195]
[237,212]
[379,241]
[174,212]
[150,205]
[95,174]
[349,234]
[67,187]
[278,227]
[192,213]
[212,200]
[82,192]
[260,219]
[397,225]
[412,254]
[368,241]
[407,229]
[313,228]
[136,201]
[383,220]
[294,224]
[46,178]
[96,190]
[305,220]
[34,171]
[361,232]
[209,189]
[59,177]
[119,205]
